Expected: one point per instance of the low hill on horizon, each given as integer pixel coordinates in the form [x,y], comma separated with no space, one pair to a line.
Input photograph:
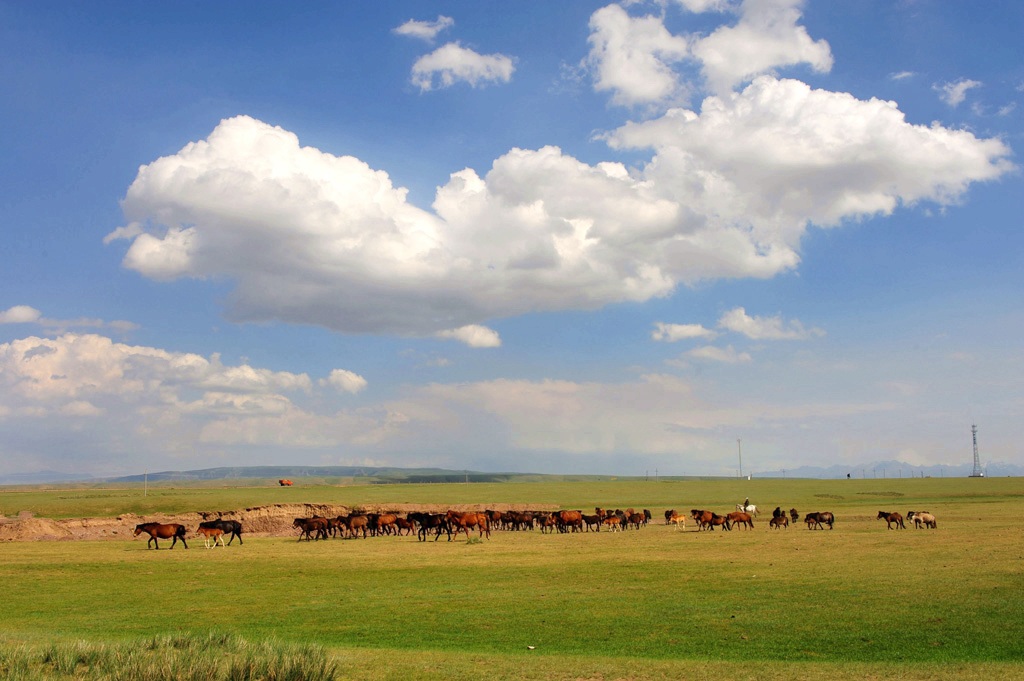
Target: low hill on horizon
[391,475]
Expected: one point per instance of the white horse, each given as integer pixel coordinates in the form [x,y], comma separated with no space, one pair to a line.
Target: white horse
[749,508]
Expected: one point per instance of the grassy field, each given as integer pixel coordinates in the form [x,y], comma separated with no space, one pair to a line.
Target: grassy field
[855,602]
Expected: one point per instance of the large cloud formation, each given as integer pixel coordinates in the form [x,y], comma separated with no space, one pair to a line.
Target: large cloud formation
[86,386]
[729,190]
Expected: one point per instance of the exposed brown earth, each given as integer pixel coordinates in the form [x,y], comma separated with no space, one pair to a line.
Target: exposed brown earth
[259,521]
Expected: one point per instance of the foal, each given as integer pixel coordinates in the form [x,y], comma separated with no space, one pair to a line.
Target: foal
[214,533]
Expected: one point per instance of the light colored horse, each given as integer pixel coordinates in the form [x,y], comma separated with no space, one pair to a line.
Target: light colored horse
[678,520]
[749,508]
[922,518]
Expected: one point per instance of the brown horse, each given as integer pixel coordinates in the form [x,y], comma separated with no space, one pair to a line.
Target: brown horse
[569,520]
[355,523]
[707,520]
[461,522]
[891,519]
[172,531]
[404,525]
[816,521]
[719,520]
[284,483]
[208,533]
[308,526]
[741,518]
[779,521]
[613,523]
[548,522]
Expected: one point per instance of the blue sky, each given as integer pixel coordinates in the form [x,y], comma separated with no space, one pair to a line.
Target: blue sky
[562,237]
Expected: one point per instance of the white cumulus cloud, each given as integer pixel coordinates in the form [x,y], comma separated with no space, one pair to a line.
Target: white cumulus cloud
[453,63]
[19,314]
[767,36]
[473,335]
[344,380]
[312,238]
[632,57]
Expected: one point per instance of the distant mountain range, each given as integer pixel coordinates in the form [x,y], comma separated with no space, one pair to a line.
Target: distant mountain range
[894,469]
[368,474]
[385,475]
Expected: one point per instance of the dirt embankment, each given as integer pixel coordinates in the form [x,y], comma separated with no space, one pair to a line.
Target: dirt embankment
[259,521]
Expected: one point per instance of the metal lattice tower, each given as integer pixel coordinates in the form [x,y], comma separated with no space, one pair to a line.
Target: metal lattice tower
[977,473]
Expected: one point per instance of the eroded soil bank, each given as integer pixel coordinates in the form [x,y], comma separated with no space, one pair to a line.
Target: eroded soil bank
[259,521]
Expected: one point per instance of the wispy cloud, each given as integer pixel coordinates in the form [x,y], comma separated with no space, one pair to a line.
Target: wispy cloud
[726,355]
[955,93]
[424,30]
[24,314]
[901,75]
[670,333]
[766,328]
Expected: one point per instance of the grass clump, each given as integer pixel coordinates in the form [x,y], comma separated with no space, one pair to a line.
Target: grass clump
[173,657]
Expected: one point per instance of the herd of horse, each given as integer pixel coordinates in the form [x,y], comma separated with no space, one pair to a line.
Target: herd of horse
[452,523]
[744,516]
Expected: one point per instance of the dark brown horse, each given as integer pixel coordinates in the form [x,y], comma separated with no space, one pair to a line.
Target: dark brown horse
[780,521]
[722,520]
[428,522]
[891,519]
[229,527]
[172,531]
[404,525]
[310,526]
[815,521]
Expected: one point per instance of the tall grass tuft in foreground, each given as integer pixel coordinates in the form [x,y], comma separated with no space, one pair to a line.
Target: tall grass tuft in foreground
[177,657]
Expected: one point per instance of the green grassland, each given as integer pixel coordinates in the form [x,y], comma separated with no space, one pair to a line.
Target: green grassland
[855,602]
